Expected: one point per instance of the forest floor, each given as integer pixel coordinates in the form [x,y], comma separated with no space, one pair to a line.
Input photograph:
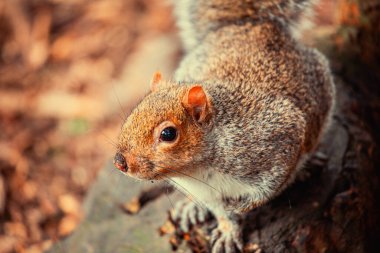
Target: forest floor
[65,87]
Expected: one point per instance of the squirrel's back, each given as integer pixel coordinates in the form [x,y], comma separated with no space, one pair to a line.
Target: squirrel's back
[244,48]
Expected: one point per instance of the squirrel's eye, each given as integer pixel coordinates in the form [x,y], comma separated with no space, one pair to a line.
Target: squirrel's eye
[168,134]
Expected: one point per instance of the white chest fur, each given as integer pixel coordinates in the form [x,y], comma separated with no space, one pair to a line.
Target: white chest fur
[210,190]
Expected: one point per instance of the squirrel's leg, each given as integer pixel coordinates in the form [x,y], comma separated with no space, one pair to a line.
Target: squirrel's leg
[228,236]
[187,214]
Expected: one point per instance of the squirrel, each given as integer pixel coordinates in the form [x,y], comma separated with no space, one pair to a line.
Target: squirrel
[248,105]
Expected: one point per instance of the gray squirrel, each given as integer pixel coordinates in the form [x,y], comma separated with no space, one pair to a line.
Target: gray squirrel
[247,106]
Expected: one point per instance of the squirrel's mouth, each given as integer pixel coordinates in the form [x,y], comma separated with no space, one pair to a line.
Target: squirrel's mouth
[152,173]
[145,176]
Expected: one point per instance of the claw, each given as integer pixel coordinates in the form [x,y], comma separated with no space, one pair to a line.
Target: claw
[227,241]
[188,214]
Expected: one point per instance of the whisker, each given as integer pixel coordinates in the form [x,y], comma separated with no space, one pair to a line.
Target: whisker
[167,194]
[197,179]
[166,179]
[109,140]
[121,108]
[184,191]
[112,144]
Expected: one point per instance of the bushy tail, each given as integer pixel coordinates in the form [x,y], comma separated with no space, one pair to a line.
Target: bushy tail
[285,10]
[195,17]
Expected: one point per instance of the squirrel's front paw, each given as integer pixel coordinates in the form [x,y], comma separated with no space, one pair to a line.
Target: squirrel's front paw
[227,238]
[187,214]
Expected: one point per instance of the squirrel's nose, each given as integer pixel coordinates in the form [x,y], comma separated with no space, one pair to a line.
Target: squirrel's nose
[120,162]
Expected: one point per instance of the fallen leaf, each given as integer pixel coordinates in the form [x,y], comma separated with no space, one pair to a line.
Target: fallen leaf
[2,195]
[166,228]
[69,204]
[132,207]
[7,243]
[252,248]
[67,225]
[15,229]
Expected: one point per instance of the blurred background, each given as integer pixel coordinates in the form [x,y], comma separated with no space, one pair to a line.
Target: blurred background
[70,71]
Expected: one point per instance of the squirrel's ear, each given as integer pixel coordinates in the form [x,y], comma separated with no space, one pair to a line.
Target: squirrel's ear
[155,81]
[197,104]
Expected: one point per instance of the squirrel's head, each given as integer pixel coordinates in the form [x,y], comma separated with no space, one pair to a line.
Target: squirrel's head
[164,134]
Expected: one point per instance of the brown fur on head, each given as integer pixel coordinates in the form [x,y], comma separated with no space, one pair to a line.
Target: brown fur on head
[184,107]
